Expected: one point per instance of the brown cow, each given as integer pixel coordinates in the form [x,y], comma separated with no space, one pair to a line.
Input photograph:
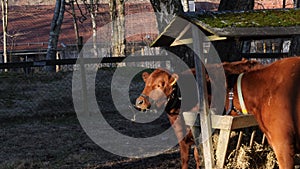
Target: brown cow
[272,95]
[161,90]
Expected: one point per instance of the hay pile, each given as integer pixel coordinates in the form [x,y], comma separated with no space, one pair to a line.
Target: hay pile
[258,156]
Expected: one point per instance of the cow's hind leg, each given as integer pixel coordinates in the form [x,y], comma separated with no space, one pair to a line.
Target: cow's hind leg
[282,144]
[180,132]
[284,154]
[197,157]
[184,154]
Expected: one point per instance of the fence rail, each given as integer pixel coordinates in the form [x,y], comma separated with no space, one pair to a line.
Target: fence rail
[43,63]
[132,59]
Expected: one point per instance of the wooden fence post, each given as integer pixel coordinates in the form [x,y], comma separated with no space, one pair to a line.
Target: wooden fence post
[205,119]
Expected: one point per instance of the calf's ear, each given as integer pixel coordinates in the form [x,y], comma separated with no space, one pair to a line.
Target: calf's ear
[145,76]
[174,79]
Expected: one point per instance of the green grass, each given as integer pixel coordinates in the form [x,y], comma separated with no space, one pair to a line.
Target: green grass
[261,18]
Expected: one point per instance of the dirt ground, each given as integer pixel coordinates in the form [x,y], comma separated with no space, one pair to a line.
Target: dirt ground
[40,129]
[60,142]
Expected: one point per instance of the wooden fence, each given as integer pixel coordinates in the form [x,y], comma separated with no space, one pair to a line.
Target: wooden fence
[43,63]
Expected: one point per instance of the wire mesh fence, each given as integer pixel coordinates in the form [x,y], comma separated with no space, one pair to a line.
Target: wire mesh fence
[43,94]
[27,89]
[39,128]
[40,93]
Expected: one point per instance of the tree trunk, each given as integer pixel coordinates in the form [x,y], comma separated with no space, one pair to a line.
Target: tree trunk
[165,11]
[117,13]
[54,32]
[296,3]
[236,5]
[4,5]
[185,5]
[78,45]
[93,12]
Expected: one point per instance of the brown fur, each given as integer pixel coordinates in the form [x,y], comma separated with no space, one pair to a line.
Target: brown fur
[272,95]
[161,80]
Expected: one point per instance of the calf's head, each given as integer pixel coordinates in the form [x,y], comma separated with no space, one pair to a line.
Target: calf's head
[159,86]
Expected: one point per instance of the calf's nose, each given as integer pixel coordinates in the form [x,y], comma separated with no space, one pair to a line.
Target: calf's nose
[139,102]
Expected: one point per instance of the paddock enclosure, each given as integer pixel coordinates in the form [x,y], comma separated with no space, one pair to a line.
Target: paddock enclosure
[39,127]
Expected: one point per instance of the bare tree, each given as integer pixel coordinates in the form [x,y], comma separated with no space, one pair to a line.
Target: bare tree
[75,24]
[185,5]
[165,11]
[92,7]
[93,12]
[4,5]
[55,31]
[117,13]
[296,3]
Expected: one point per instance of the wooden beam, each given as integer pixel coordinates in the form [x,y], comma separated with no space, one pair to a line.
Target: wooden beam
[183,32]
[232,122]
[186,41]
[226,124]
[264,55]
[205,121]
[222,147]
[216,38]
[182,42]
